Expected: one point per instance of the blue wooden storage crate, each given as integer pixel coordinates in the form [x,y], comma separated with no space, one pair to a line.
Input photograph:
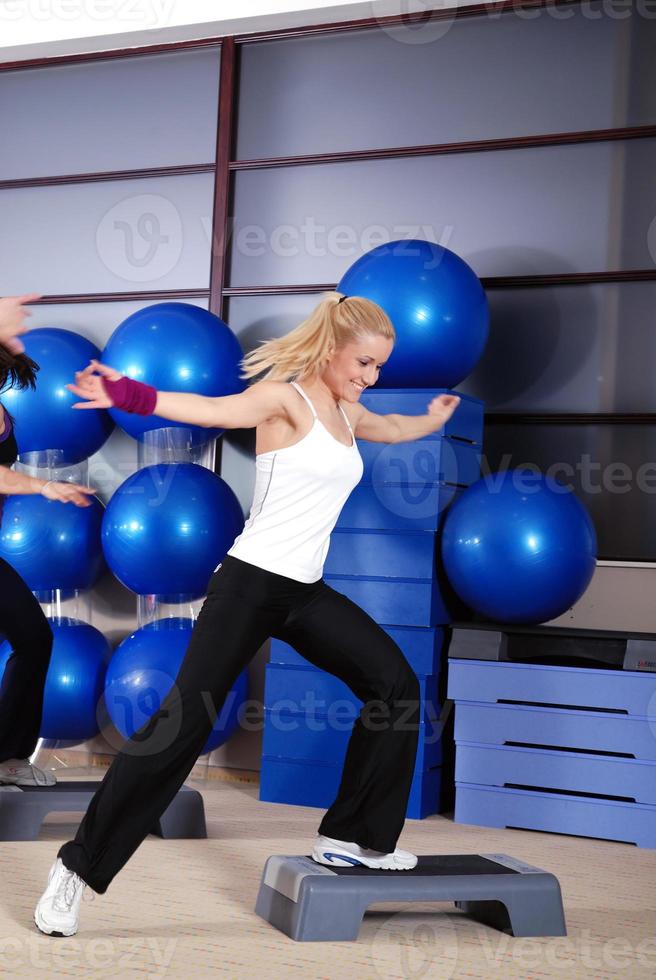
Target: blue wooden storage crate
[512,723]
[316,784]
[466,423]
[294,735]
[387,554]
[421,462]
[421,646]
[632,692]
[298,689]
[391,506]
[634,780]
[397,602]
[597,731]
[488,806]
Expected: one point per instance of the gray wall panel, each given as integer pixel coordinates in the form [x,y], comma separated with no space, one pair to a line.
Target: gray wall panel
[109,115]
[373,88]
[569,349]
[110,236]
[559,209]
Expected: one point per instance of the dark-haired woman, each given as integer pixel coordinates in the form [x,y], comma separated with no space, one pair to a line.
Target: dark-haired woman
[22,620]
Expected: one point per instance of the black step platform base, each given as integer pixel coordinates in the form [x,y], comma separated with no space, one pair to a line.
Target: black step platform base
[309,901]
[23,809]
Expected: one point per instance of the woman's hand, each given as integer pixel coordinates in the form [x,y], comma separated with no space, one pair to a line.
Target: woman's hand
[88,385]
[12,321]
[68,493]
[443,406]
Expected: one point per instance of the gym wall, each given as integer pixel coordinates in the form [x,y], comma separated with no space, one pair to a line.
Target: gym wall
[579,206]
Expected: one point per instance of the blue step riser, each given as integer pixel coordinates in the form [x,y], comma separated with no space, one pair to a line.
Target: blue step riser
[423,462]
[630,691]
[396,602]
[390,507]
[555,727]
[465,423]
[296,689]
[421,646]
[499,766]
[488,807]
[391,554]
[301,784]
[319,740]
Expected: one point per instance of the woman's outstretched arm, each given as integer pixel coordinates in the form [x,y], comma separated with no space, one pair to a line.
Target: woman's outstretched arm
[405,428]
[261,401]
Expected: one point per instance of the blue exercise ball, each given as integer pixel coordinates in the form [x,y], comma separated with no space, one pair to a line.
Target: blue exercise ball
[519,547]
[74,682]
[175,347]
[437,305]
[44,417]
[53,545]
[142,672]
[167,528]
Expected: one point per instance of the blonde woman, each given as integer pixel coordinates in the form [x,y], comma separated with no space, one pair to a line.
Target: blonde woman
[307,416]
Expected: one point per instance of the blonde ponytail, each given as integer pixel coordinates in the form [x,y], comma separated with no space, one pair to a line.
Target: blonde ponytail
[304,351]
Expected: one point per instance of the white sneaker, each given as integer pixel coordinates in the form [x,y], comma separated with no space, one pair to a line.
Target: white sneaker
[21,772]
[58,910]
[345,854]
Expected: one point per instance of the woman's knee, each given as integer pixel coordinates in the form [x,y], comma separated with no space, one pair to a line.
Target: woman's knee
[399,682]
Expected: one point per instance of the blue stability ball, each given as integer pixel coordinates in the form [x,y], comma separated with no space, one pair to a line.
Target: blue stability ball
[518,547]
[175,347]
[44,417]
[75,680]
[142,671]
[437,305]
[167,528]
[51,544]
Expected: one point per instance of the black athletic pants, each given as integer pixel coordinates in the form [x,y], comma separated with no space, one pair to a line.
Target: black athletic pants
[244,606]
[21,693]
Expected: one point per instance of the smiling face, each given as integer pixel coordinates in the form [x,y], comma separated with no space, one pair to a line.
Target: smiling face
[356,366]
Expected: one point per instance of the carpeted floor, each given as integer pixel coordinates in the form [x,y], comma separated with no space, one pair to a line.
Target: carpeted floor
[185,908]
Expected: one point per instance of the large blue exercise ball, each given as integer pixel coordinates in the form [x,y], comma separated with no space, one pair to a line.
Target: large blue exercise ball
[175,347]
[437,305]
[53,545]
[142,671]
[519,547]
[44,417]
[74,682]
[167,527]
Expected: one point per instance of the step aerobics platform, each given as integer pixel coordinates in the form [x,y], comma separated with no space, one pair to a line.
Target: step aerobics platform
[309,901]
[23,809]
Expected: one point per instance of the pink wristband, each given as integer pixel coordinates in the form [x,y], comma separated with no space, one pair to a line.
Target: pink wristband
[131,396]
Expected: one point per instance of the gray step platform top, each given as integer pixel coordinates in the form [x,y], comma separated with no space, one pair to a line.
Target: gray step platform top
[23,809]
[309,901]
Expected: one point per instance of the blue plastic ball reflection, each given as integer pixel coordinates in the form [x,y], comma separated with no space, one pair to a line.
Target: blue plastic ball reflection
[518,547]
[438,308]
[44,417]
[53,545]
[74,683]
[142,672]
[167,528]
[175,347]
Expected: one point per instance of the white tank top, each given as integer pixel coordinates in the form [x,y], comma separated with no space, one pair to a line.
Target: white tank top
[299,493]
